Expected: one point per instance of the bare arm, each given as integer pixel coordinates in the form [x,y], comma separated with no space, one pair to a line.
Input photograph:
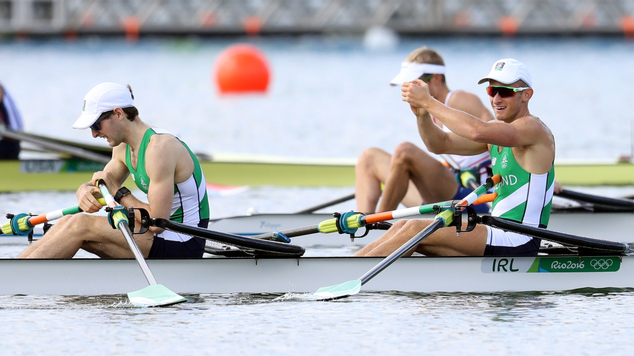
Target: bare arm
[532,142]
[437,140]
[163,156]
[524,131]
[114,174]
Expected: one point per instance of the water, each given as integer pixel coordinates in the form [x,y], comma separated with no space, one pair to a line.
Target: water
[329,98]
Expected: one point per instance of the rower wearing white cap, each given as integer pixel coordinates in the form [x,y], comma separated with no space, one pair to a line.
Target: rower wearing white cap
[161,165]
[410,175]
[522,151]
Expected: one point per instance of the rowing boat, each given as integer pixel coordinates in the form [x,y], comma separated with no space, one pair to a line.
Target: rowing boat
[306,274]
[261,266]
[238,170]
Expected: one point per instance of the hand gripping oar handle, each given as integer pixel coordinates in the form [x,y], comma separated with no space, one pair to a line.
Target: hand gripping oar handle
[120,220]
[22,224]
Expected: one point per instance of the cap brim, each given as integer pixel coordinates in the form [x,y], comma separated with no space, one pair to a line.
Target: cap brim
[85,121]
[406,75]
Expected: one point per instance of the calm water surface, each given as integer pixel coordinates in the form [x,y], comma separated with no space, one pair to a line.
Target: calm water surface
[328,98]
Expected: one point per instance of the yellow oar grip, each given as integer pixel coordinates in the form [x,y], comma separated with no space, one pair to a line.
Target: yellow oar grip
[119,216]
[22,223]
[102,201]
[6,229]
[465,177]
[328,226]
[446,216]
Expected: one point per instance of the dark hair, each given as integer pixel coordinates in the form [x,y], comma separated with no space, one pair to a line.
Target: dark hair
[130,113]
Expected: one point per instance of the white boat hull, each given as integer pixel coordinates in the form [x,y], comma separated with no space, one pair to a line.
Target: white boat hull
[307,274]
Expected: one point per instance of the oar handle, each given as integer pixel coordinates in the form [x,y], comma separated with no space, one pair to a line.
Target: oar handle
[120,220]
[359,220]
[467,178]
[24,223]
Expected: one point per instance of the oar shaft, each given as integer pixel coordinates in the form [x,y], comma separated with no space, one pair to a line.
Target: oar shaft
[593,199]
[412,243]
[127,234]
[291,232]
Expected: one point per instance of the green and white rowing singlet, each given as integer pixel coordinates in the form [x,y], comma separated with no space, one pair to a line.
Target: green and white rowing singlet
[190,204]
[522,196]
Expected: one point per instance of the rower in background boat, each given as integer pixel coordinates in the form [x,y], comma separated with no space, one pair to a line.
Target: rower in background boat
[161,165]
[11,120]
[522,151]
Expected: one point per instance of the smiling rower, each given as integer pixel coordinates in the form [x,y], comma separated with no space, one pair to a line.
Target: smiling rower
[522,151]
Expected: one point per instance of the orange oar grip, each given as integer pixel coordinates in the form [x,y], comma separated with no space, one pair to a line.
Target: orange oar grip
[486,198]
[369,219]
[496,179]
[40,219]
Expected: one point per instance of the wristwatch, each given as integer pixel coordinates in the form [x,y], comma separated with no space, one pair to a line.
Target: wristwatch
[122,192]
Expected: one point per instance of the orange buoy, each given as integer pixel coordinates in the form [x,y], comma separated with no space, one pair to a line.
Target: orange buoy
[508,25]
[241,68]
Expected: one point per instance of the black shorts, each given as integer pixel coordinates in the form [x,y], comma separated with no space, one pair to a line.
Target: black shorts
[531,248]
[192,248]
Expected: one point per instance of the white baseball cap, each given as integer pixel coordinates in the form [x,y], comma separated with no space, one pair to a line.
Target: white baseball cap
[508,71]
[412,70]
[104,97]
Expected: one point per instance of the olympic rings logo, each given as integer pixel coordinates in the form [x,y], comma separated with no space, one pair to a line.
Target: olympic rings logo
[601,263]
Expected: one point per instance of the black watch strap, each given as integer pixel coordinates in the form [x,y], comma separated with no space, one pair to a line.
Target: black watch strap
[122,192]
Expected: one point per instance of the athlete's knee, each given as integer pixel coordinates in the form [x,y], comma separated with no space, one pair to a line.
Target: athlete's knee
[415,226]
[405,153]
[79,224]
[367,159]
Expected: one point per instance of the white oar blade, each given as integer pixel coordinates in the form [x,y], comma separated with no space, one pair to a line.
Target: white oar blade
[339,291]
[154,295]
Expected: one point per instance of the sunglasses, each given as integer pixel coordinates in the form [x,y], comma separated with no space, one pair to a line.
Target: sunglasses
[105,115]
[504,92]
[425,78]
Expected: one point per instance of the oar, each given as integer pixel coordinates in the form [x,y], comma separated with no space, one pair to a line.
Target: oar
[155,294]
[22,224]
[443,219]
[78,152]
[326,204]
[621,204]
[466,177]
[349,222]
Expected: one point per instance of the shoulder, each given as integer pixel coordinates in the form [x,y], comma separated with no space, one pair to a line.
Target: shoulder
[162,141]
[461,96]
[469,102]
